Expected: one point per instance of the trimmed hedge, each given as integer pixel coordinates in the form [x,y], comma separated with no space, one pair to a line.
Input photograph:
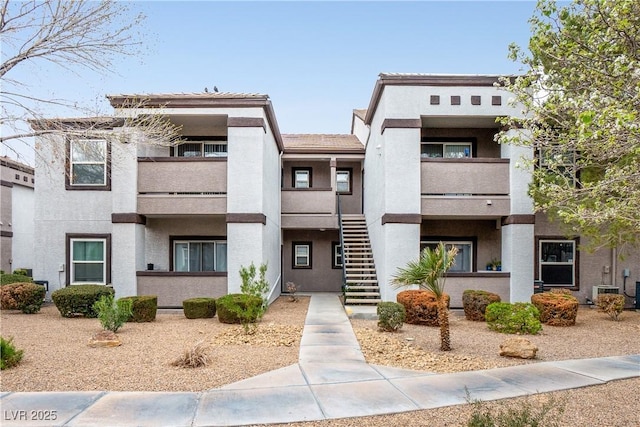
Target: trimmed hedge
[77,300]
[421,306]
[199,308]
[516,318]
[228,307]
[26,296]
[6,279]
[558,308]
[143,308]
[475,303]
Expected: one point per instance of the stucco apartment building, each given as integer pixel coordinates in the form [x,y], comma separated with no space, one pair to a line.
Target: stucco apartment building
[16,215]
[326,212]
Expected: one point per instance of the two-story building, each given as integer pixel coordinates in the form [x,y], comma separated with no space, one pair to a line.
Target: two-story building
[329,213]
[16,215]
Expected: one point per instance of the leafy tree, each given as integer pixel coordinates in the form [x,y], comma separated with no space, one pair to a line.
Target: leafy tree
[429,272]
[73,35]
[581,98]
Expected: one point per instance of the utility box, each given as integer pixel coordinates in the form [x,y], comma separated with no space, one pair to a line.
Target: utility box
[538,286]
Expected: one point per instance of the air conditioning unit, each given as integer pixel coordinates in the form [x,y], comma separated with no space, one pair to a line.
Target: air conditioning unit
[599,290]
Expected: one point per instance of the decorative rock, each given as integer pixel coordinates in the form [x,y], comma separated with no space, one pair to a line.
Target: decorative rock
[518,347]
[104,339]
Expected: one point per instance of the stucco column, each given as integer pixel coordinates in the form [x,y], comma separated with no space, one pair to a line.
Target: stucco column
[127,257]
[333,163]
[518,238]
[400,220]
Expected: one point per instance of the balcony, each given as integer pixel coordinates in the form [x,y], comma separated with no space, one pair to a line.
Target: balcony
[476,187]
[309,208]
[182,186]
[174,287]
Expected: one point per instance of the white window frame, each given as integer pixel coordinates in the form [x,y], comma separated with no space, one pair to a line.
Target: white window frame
[347,173]
[448,244]
[297,256]
[568,262]
[85,142]
[202,152]
[216,267]
[72,262]
[337,255]
[302,183]
[468,146]
[563,162]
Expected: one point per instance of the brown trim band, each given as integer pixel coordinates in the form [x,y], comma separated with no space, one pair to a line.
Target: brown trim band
[246,218]
[6,183]
[307,189]
[400,124]
[6,233]
[128,218]
[519,219]
[464,160]
[181,159]
[390,218]
[246,122]
[182,273]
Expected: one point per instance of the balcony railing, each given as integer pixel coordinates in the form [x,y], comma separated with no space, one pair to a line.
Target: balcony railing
[182,185]
[308,201]
[465,187]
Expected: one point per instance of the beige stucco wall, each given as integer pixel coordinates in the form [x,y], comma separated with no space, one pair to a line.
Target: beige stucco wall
[321,277]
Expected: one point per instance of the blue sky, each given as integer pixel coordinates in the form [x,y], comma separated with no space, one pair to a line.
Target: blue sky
[316,60]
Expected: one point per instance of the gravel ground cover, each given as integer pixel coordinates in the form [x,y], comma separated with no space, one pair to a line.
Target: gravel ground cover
[57,357]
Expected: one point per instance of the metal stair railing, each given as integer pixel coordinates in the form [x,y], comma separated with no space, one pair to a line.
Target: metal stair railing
[344,264]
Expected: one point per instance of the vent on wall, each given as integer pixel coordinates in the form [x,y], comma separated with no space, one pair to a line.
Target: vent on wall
[599,290]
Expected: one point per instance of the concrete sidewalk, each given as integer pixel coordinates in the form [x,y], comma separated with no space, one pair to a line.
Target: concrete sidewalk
[331,380]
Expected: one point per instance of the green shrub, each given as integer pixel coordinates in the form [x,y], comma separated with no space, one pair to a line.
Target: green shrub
[475,303]
[520,414]
[6,279]
[517,318]
[20,271]
[557,307]
[10,355]
[612,304]
[144,308]
[26,296]
[239,308]
[79,299]
[112,314]
[391,316]
[257,287]
[199,308]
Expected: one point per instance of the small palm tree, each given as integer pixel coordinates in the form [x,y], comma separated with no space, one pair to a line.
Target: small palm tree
[429,272]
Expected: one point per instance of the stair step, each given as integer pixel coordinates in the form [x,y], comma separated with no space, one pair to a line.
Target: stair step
[362,294]
[359,282]
[372,301]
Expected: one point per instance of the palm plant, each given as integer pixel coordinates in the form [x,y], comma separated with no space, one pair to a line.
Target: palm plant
[429,272]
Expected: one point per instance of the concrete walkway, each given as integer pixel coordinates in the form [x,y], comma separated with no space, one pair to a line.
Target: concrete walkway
[331,380]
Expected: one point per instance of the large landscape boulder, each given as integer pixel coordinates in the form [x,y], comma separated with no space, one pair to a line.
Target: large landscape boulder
[518,347]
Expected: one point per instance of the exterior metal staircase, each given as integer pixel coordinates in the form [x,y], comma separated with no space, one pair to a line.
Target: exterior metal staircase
[361,282]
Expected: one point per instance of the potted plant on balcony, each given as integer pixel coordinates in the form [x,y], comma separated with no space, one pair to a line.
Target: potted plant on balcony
[494,265]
